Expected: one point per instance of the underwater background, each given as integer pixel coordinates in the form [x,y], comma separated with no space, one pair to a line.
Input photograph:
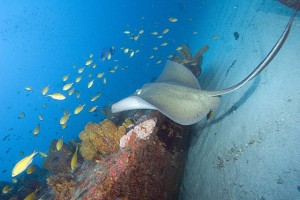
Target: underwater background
[43,42]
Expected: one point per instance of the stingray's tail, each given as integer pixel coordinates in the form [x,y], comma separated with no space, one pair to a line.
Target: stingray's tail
[263,64]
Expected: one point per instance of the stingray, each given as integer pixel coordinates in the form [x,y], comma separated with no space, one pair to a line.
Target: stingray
[177,94]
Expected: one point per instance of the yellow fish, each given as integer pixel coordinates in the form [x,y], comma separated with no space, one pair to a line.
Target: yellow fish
[104,81]
[109,56]
[31,169]
[158,62]
[131,54]
[100,75]
[165,31]
[67,86]
[41,117]
[59,144]
[22,115]
[126,32]
[45,90]
[6,189]
[88,62]
[78,79]
[170,56]
[141,32]
[90,84]
[65,77]
[178,48]
[94,66]
[92,109]
[43,154]
[31,196]
[57,96]
[154,33]
[28,88]
[14,180]
[79,109]
[95,97]
[64,119]
[77,94]
[112,71]
[164,44]
[151,57]
[36,130]
[214,37]
[155,48]
[91,55]
[70,92]
[80,70]
[90,75]
[173,19]
[135,38]
[126,50]
[160,36]
[74,160]
[23,164]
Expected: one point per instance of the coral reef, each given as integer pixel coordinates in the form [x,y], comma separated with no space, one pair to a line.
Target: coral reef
[99,140]
[192,63]
[62,184]
[149,166]
[58,161]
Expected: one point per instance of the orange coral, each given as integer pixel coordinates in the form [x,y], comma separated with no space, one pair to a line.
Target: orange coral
[100,139]
[63,184]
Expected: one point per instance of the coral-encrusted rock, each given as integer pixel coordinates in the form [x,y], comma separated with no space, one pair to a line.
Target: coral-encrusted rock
[58,161]
[62,185]
[100,139]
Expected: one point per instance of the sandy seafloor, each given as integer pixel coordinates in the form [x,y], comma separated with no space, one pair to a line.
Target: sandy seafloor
[250,149]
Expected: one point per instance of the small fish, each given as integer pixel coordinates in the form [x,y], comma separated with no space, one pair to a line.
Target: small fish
[90,84]
[74,160]
[209,115]
[141,32]
[154,33]
[30,169]
[31,196]
[173,19]
[165,31]
[126,32]
[88,62]
[90,75]
[178,48]
[14,180]
[159,36]
[158,62]
[77,94]
[65,77]
[23,164]
[80,70]
[41,118]
[100,75]
[92,109]
[45,90]
[57,96]
[91,55]
[95,97]
[67,86]
[214,37]
[112,71]
[126,50]
[131,54]
[170,56]
[22,115]
[63,126]
[164,44]
[107,53]
[70,92]
[78,79]
[94,66]
[135,38]
[155,48]
[64,119]
[136,51]
[6,189]
[28,88]
[104,81]
[43,154]
[195,33]
[59,144]
[151,57]
[79,109]
[37,130]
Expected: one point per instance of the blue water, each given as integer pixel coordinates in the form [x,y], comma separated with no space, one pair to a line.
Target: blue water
[41,41]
